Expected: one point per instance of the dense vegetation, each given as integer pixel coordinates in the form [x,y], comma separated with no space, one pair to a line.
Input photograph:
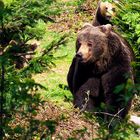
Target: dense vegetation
[21,22]
[23,25]
[127,21]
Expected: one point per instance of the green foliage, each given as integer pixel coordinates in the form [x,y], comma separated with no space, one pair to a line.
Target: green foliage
[21,21]
[76,2]
[51,124]
[20,18]
[127,21]
[37,30]
[120,131]
[124,131]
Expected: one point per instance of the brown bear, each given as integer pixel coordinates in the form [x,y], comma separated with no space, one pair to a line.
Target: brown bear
[104,13]
[102,62]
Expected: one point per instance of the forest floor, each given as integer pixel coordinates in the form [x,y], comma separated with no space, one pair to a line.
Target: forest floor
[56,119]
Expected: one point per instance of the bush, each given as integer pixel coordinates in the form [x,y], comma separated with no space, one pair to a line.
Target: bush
[127,21]
[21,21]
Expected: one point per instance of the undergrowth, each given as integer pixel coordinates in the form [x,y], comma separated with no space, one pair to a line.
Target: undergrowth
[46,111]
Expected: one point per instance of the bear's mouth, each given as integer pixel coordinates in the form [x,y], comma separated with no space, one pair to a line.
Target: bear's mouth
[108,17]
[81,60]
[84,60]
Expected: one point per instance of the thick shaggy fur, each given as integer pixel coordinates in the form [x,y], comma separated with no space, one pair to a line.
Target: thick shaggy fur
[101,62]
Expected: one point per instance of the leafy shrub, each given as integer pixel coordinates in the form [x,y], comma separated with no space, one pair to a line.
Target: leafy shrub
[21,21]
[127,21]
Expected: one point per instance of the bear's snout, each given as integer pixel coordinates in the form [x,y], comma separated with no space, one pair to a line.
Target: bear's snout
[83,53]
[79,55]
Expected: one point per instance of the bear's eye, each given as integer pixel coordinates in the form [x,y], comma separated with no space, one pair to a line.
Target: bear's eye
[89,44]
[106,8]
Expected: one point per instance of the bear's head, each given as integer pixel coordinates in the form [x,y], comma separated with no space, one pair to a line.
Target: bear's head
[92,43]
[105,12]
[106,9]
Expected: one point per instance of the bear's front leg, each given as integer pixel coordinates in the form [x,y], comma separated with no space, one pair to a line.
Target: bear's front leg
[86,98]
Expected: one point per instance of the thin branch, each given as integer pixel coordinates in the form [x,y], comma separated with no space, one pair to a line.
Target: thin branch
[105,113]
[24,54]
[115,116]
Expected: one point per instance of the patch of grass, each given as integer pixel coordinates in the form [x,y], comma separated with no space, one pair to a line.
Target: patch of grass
[57,76]
[55,79]
[72,2]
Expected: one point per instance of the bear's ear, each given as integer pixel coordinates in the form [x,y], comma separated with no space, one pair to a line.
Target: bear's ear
[87,25]
[106,28]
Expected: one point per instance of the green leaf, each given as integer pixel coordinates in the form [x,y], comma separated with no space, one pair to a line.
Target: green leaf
[119,88]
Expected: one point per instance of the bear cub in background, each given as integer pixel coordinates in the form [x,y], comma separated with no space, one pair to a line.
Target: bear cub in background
[104,13]
[102,62]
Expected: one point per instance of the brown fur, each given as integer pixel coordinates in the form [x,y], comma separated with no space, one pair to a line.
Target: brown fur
[94,76]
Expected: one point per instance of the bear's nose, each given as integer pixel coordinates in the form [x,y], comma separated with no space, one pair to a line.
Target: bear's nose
[79,55]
